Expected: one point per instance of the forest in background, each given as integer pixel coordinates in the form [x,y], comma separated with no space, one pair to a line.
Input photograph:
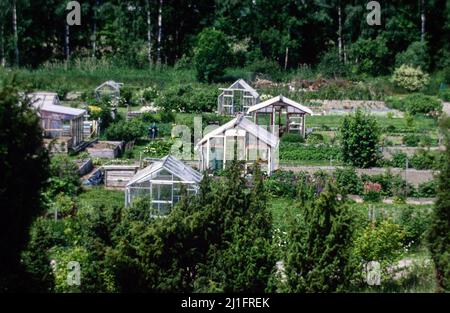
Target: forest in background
[286,34]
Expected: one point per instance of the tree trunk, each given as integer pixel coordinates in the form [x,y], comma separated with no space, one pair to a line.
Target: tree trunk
[2,46]
[286,56]
[149,35]
[67,42]
[94,31]
[16,34]
[340,31]
[423,20]
[158,56]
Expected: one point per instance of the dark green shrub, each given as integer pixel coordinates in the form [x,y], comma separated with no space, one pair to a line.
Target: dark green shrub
[348,181]
[212,55]
[126,130]
[415,221]
[399,159]
[411,140]
[416,56]
[331,66]
[444,94]
[265,67]
[292,138]
[420,103]
[427,189]
[282,184]
[314,138]
[425,160]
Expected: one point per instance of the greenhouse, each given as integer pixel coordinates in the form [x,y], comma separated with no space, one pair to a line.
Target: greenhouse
[237,98]
[239,139]
[160,183]
[109,89]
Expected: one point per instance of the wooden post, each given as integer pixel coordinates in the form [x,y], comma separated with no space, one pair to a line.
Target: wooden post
[287,121]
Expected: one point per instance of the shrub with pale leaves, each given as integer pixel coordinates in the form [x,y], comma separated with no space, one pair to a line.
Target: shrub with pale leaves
[410,78]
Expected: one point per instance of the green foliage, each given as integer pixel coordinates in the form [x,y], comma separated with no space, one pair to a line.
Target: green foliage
[360,140]
[411,140]
[63,178]
[158,148]
[444,94]
[425,160]
[319,245]
[282,184]
[314,139]
[289,137]
[370,55]
[416,222]
[331,66]
[24,170]
[212,55]
[186,98]
[440,224]
[381,242]
[427,189]
[126,130]
[290,151]
[348,181]
[416,56]
[410,78]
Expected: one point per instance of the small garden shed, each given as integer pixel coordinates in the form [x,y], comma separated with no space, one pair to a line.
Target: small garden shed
[59,121]
[237,98]
[109,89]
[161,183]
[239,139]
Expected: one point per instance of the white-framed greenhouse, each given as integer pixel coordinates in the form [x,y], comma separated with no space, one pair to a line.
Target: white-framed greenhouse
[237,98]
[160,184]
[239,139]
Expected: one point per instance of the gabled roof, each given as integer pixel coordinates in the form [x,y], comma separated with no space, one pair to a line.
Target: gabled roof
[49,102]
[242,84]
[171,164]
[290,105]
[241,122]
[110,83]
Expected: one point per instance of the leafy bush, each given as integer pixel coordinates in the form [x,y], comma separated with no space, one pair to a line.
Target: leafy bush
[415,56]
[314,139]
[444,94]
[265,67]
[381,242]
[425,160]
[348,181]
[292,138]
[399,159]
[360,140]
[415,221]
[126,130]
[158,148]
[415,103]
[411,140]
[186,98]
[427,189]
[372,192]
[410,78]
[370,55]
[331,66]
[212,55]
[282,184]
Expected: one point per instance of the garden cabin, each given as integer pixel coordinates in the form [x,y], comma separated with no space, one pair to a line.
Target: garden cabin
[239,139]
[109,89]
[59,121]
[237,98]
[272,110]
[160,184]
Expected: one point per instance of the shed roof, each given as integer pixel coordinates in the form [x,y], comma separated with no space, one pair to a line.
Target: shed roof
[290,105]
[49,102]
[241,122]
[110,83]
[242,84]
[171,164]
